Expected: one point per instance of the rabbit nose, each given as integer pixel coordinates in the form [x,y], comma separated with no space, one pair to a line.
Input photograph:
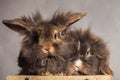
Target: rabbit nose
[46,47]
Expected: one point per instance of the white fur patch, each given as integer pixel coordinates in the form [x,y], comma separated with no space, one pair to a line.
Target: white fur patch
[78,64]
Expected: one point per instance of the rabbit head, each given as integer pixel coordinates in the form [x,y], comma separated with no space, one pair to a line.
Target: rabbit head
[46,45]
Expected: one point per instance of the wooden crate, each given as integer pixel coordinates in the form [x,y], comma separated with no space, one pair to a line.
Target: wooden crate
[95,77]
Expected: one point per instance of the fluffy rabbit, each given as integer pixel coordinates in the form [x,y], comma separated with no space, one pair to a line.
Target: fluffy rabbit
[93,55]
[46,46]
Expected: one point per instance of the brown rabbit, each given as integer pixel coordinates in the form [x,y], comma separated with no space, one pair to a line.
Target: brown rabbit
[46,46]
[93,55]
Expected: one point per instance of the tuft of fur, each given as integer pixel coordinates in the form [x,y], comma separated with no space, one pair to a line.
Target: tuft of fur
[34,20]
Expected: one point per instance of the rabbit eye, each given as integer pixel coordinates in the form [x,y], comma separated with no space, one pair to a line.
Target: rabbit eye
[88,54]
[55,36]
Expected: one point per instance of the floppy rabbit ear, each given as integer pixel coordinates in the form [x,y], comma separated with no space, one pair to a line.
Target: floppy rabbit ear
[17,25]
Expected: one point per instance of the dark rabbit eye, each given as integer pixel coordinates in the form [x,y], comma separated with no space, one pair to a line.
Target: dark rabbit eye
[88,53]
[58,35]
[55,36]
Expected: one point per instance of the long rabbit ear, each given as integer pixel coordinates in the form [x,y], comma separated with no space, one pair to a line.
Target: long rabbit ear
[17,25]
[74,17]
[24,24]
[66,19]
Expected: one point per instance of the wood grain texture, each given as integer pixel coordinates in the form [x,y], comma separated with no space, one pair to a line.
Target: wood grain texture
[95,77]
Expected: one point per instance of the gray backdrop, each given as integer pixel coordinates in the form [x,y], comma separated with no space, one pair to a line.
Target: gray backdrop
[103,16]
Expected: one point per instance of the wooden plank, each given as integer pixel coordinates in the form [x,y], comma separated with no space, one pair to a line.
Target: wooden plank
[95,77]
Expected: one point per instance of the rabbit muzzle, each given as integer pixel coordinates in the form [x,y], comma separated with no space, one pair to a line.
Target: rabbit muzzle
[48,48]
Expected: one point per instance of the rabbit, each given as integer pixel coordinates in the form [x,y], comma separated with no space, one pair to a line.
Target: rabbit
[93,58]
[46,46]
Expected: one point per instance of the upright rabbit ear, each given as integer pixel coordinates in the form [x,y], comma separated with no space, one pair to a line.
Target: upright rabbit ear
[73,17]
[66,19]
[17,25]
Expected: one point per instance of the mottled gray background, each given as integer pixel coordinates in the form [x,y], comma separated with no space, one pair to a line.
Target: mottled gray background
[103,16]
